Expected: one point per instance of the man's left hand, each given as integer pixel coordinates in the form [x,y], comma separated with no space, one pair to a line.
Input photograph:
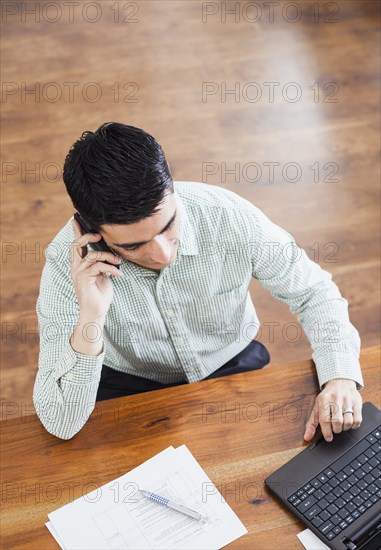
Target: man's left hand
[338,396]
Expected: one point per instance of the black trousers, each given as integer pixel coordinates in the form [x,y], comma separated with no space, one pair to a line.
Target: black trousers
[114,383]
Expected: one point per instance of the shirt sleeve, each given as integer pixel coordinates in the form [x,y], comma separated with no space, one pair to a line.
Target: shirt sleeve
[67,382]
[285,270]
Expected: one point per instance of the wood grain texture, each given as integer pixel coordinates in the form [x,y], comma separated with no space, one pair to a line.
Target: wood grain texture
[239,428]
[169,53]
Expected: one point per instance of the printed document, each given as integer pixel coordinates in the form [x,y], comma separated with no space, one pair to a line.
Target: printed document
[117,516]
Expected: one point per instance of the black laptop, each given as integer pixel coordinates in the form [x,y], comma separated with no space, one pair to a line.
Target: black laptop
[335,488]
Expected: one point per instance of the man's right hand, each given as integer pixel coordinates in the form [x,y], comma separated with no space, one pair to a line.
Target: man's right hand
[93,288]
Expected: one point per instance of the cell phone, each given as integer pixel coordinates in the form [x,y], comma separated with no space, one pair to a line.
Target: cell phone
[100,246]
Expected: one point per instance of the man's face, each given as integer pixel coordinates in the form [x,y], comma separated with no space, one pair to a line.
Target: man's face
[151,243]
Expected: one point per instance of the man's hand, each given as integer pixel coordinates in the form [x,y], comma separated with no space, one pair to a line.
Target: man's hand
[338,395]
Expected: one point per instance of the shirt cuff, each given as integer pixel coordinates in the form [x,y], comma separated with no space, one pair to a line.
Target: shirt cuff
[78,368]
[339,365]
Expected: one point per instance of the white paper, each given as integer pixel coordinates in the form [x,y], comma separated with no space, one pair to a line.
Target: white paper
[117,516]
[53,532]
[310,541]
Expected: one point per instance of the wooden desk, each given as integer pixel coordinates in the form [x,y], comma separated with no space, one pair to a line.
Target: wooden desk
[239,428]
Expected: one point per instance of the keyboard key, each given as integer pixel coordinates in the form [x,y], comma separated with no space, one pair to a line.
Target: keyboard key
[376,447]
[374,462]
[331,535]
[337,491]
[349,519]
[319,494]
[368,503]
[369,479]
[358,500]
[322,478]
[366,494]
[362,484]
[335,519]
[370,453]
[343,524]
[362,459]
[345,485]
[329,473]
[377,433]
[343,513]
[361,472]
[367,467]
[353,479]
[306,487]
[349,470]
[341,476]
[332,509]
[356,514]
[355,490]
[299,493]
[347,496]
[371,438]
[316,483]
[337,530]
[350,507]
[326,488]
[311,490]
[355,464]
[305,504]
[324,515]
[372,488]
[334,482]
[323,503]
[312,512]
[362,509]
[317,521]
[340,502]
[374,498]
[292,498]
[326,527]
[330,497]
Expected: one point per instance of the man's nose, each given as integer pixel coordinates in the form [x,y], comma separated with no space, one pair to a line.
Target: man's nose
[161,249]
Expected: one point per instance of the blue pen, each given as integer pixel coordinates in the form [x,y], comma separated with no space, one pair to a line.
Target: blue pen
[177,507]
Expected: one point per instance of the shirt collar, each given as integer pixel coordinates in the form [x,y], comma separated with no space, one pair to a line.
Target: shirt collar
[188,243]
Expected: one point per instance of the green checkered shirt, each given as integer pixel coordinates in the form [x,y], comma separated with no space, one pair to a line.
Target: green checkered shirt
[185,322]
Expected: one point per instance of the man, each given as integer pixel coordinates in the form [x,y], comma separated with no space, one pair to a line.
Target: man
[178,308]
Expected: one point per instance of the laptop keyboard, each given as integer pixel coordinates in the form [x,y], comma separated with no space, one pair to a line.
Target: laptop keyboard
[341,493]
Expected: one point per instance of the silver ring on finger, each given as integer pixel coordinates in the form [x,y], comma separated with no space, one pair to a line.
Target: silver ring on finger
[348,410]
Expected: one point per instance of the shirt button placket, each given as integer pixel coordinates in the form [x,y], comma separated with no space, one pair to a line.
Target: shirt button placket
[174,327]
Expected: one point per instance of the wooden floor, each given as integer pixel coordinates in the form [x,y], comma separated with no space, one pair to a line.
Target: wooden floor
[168,67]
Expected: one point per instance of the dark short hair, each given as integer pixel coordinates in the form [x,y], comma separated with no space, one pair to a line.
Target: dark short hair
[116,175]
